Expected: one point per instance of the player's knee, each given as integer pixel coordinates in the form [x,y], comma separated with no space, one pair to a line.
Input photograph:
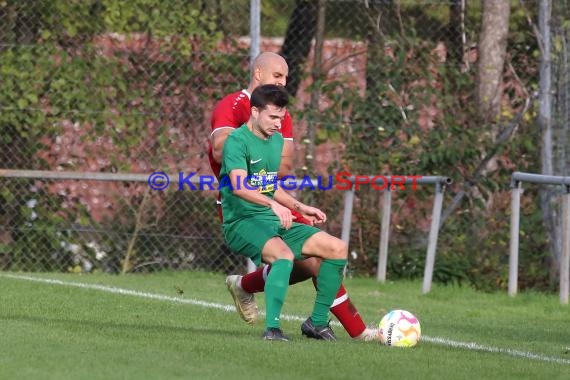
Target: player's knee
[283,253]
[286,255]
[339,250]
[276,249]
[311,266]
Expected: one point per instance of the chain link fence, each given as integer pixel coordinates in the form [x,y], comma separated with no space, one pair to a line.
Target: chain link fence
[115,224]
[106,86]
[111,226]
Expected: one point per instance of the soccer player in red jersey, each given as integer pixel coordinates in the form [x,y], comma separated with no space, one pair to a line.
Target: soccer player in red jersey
[230,113]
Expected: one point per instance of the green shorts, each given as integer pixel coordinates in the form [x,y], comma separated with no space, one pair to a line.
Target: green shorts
[248,236]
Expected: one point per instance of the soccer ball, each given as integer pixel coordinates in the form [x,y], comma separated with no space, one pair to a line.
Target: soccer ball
[400,328]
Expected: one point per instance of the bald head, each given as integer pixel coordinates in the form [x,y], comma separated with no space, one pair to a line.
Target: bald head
[268,59]
[268,68]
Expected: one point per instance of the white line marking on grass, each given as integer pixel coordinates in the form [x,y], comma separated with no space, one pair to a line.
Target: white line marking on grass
[127,292]
[231,308]
[136,293]
[494,350]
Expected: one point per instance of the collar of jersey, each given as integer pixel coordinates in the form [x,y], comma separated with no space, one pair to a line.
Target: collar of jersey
[247,93]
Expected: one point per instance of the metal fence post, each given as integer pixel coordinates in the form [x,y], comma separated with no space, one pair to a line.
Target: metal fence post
[347,215]
[384,235]
[565,257]
[255,28]
[433,235]
[347,219]
[254,50]
[514,242]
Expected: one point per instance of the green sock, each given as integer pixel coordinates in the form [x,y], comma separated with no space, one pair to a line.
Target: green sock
[328,282]
[276,286]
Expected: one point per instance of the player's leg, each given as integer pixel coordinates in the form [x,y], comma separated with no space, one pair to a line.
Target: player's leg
[342,308]
[311,241]
[278,254]
[261,242]
[243,300]
[242,288]
[254,282]
[333,253]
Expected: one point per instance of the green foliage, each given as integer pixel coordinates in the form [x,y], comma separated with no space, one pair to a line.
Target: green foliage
[65,76]
[418,118]
[410,264]
[33,229]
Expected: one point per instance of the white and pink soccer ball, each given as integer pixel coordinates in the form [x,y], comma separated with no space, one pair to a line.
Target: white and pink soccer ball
[400,328]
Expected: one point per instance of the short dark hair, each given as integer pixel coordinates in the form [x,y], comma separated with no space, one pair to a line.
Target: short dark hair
[269,94]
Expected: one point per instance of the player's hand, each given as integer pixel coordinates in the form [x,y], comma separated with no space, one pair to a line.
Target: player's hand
[312,219]
[284,215]
[313,214]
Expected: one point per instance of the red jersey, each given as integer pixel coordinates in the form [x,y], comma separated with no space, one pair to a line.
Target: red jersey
[233,111]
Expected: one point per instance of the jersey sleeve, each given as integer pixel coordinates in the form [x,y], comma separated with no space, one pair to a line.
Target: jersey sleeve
[222,116]
[228,113]
[234,155]
[287,127]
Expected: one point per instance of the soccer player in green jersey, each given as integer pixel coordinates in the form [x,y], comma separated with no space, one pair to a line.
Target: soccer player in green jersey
[257,219]
[231,112]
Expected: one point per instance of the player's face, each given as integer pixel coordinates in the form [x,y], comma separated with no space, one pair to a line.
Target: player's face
[268,120]
[275,73]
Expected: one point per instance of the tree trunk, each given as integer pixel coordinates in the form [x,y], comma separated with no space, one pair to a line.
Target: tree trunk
[545,124]
[554,118]
[492,50]
[456,30]
[561,84]
[297,44]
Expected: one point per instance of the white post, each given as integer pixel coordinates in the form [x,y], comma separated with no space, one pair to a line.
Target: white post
[433,235]
[254,50]
[565,257]
[514,242]
[384,235]
[347,220]
[347,215]
[254,28]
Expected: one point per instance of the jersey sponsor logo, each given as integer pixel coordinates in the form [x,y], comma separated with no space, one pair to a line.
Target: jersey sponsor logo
[255,161]
[268,188]
[264,181]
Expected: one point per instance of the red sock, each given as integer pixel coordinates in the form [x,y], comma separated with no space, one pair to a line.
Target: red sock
[346,313]
[254,282]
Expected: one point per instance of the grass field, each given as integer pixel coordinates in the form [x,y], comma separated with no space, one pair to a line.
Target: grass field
[63,326]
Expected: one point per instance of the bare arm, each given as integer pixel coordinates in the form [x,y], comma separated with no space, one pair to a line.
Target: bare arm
[314,214]
[237,177]
[218,138]
[287,155]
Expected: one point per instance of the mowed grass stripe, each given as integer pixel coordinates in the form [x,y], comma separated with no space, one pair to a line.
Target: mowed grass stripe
[230,308]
